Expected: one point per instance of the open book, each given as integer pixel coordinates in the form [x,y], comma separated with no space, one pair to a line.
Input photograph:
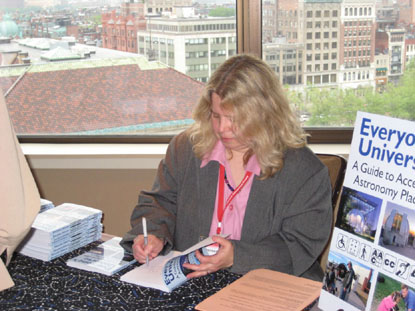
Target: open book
[167,272]
[107,258]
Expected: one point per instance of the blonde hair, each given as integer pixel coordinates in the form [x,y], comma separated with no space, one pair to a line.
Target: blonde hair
[249,88]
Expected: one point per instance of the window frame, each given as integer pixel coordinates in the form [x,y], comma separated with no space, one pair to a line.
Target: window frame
[249,40]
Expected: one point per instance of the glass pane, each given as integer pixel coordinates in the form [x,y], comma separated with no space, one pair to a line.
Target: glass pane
[110,66]
[346,55]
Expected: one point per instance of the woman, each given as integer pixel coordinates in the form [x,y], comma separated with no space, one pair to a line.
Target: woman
[389,303]
[242,169]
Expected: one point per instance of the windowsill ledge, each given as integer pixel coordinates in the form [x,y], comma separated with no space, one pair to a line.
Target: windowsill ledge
[117,156]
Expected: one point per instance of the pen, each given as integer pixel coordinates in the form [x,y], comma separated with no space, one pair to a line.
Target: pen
[145,236]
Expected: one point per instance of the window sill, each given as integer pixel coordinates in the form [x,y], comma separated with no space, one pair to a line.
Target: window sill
[117,156]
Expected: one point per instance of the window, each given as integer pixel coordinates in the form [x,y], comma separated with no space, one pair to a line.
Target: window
[128,91]
[168,52]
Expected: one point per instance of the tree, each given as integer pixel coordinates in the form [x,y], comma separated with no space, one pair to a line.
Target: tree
[337,107]
[222,12]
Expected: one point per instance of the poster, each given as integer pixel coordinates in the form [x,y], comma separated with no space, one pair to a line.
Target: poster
[372,252]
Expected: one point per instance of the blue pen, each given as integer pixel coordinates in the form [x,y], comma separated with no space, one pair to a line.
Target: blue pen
[145,236]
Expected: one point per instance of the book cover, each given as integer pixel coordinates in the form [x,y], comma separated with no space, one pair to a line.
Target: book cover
[372,252]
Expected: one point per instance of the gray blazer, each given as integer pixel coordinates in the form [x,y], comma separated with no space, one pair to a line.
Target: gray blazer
[287,221]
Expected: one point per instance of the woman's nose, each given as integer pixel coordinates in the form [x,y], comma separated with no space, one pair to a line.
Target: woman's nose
[225,125]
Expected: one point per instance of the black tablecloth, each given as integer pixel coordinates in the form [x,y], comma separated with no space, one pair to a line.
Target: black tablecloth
[55,286]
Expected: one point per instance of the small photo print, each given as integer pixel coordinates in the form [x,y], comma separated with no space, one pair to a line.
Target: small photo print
[359,213]
[398,230]
[390,295]
[347,280]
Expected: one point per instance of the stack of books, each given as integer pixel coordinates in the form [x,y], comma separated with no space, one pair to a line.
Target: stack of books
[60,230]
[45,205]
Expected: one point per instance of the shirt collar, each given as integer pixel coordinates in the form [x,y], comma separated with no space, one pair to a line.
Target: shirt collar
[218,154]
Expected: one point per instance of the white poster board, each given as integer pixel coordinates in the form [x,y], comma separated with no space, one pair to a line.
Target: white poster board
[375,226]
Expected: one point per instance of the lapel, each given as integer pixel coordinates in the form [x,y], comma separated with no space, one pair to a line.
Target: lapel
[258,209]
[207,192]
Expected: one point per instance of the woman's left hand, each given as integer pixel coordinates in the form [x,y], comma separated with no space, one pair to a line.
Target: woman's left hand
[208,264]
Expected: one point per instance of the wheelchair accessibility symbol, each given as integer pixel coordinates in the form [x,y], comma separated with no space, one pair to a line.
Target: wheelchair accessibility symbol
[341,241]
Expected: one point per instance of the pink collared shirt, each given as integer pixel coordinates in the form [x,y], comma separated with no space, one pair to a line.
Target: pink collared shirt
[234,215]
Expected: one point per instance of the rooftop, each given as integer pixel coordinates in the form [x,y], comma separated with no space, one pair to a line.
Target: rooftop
[36,47]
[121,95]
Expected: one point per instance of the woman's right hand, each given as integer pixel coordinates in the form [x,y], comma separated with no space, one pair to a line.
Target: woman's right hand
[152,249]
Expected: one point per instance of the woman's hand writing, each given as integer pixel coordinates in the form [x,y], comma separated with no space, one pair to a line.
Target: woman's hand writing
[152,249]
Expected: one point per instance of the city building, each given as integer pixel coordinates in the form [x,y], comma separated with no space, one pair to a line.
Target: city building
[386,14]
[8,28]
[191,44]
[119,32]
[406,11]
[409,50]
[381,68]
[357,44]
[322,39]
[119,29]
[160,6]
[392,43]
[43,50]
[286,59]
[290,20]
[269,20]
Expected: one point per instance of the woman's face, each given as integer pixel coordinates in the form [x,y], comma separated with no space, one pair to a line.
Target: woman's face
[224,127]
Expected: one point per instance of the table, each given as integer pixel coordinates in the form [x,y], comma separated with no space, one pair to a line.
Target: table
[55,286]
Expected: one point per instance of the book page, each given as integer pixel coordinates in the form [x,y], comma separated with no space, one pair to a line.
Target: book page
[264,289]
[165,272]
[151,275]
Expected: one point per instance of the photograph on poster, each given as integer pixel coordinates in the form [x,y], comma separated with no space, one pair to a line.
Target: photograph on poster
[359,213]
[398,230]
[388,294]
[348,280]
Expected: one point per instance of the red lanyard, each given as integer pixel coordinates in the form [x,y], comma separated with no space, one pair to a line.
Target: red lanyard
[221,209]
